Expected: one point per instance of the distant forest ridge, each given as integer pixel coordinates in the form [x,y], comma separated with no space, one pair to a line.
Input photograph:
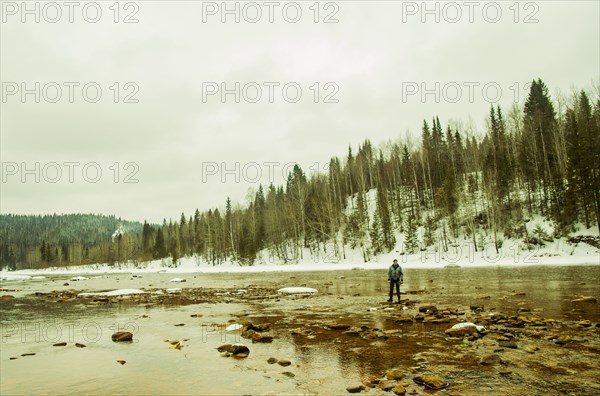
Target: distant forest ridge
[537,159]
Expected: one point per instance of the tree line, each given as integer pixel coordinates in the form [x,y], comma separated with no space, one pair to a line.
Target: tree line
[541,158]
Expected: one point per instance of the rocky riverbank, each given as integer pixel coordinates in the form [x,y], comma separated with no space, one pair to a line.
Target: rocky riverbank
[510,344]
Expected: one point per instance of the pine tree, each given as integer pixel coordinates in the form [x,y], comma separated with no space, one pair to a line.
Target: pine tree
[160,250]
[429,231]
[411,242]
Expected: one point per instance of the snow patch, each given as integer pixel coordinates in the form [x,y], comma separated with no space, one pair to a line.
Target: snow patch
[233,327]
[297,290]
[5,276]
[119,292]
[177,280]
[468,324]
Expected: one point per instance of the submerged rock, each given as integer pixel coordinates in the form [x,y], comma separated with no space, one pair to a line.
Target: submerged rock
[272,360]
[584,299]
[284,362]
[121,336]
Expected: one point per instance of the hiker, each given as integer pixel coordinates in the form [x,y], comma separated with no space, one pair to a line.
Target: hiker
[395,277]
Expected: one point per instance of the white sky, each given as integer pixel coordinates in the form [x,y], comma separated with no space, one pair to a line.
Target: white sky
[179,143]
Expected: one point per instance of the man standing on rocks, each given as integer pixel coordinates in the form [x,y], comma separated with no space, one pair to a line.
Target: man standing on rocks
[395,277]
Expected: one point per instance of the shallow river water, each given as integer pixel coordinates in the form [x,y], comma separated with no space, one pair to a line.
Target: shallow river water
[31,324]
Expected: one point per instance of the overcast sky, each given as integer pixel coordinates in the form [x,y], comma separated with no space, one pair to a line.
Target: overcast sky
[171,143]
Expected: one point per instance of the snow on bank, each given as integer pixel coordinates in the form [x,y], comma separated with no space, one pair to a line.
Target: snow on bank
[461,252]
[119,292]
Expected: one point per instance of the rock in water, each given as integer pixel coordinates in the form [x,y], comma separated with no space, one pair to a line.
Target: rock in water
[394,375]
[355,389]
[236,350]
[121,361]
[431,381]
[563,340]
[284,362]
[461,331]
[60,344]
[78,345]
[239,350]
[584,299]
[387,385]
[272,360]
[121,336]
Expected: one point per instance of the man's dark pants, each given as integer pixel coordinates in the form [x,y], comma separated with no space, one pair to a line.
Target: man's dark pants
[392,283]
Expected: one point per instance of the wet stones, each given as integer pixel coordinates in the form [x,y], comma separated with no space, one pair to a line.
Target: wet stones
[399,390]
[584,299]
[563,340]
[253,332]
[462,331]
[584,323]
[404,319]
[284,362]
[427,308]
[356,388]
[272,360]
[394,375]
[431,381]
[122,336]
[338,326]
[387,385]
[256,337]
[235,350]
[531,349]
